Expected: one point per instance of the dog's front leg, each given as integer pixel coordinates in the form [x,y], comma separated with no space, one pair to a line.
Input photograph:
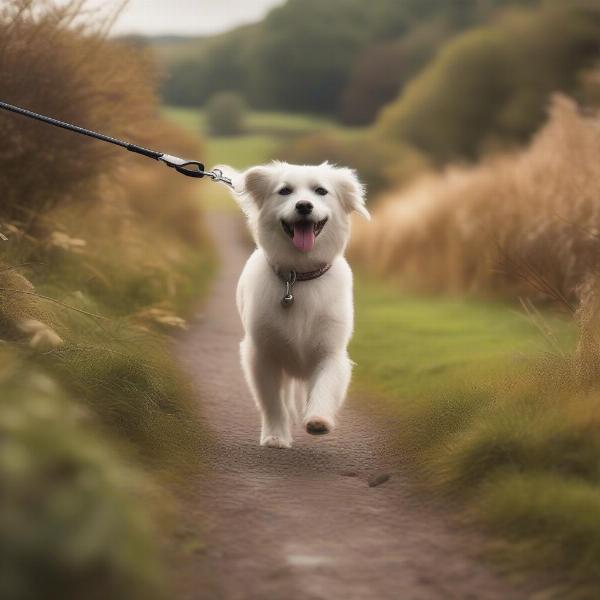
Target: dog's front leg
[327,391]
[265,381]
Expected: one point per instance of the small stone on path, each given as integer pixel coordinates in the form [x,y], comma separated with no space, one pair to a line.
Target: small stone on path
[376,480]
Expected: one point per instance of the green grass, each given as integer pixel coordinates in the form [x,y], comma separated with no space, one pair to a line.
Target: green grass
[257,122]
[264,135]
[553,522]
[490,413]
[411,346]
[241,152]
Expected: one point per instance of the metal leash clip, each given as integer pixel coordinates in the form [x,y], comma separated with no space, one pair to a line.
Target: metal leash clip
[217,176]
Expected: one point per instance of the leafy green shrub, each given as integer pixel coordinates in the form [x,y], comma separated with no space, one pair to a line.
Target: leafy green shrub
[225,113]
[491,86]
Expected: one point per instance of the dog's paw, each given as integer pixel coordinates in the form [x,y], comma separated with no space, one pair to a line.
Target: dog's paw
[318,425]
[274,441]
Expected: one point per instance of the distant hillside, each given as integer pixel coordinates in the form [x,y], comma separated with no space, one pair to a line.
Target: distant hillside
[312,56]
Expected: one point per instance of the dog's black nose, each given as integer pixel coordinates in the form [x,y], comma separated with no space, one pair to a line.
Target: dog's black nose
[304,208]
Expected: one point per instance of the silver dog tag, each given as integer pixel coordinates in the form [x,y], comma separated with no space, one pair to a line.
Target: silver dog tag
[288,297]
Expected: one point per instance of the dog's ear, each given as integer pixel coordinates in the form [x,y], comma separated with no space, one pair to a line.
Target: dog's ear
[250,188]
[257,183]
[351,191]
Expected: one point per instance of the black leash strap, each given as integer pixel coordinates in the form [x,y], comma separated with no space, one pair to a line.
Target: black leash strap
[191,168]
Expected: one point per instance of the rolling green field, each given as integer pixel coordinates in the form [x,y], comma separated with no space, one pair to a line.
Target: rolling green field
[410,347]
[265,132]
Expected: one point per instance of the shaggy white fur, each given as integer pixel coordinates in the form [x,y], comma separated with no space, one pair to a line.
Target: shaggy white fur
[299,217]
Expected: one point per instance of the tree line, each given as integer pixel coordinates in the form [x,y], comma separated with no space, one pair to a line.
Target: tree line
[455,77]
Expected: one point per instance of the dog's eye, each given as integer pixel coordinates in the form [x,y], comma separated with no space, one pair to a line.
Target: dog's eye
[285,191]
[321,191]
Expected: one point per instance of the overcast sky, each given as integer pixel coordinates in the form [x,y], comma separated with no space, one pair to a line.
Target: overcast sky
[187,17]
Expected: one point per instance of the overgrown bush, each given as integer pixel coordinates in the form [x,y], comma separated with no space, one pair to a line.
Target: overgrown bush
[225,113]
[103,86]
[70,526]
[380,165]
[490,87]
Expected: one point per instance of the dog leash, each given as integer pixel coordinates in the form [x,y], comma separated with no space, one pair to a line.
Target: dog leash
[191,168]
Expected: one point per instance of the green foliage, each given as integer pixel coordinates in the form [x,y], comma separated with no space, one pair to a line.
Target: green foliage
[382,69]
[305,51]
[265,133]
[133,387]
[208,66]
[225,114]
[413,347]
[70,524]
[490,87]
[302,55]
[379,165]
[560,518]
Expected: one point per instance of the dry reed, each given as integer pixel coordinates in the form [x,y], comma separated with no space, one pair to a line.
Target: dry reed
[526,224]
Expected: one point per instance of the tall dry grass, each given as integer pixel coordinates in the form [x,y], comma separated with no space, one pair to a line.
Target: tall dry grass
[89,405]
[66,198]
[55,61]
[526,224]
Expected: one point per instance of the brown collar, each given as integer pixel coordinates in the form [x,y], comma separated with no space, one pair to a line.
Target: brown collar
[298,276]
[290,279]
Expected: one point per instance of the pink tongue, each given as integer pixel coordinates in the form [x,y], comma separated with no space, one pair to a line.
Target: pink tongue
[304,236]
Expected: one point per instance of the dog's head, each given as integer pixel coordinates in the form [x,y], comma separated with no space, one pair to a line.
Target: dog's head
[300,215]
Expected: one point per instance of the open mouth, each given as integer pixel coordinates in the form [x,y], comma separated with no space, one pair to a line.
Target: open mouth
[303,233]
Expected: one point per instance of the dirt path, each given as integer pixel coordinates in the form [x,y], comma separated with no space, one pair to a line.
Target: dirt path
[304,523]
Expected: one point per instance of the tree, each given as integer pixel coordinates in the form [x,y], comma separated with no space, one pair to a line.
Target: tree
[206,66]
[382,70]
[304,54]
[491,85]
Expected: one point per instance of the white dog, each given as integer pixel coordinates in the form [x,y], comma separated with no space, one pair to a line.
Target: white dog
[294,295]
